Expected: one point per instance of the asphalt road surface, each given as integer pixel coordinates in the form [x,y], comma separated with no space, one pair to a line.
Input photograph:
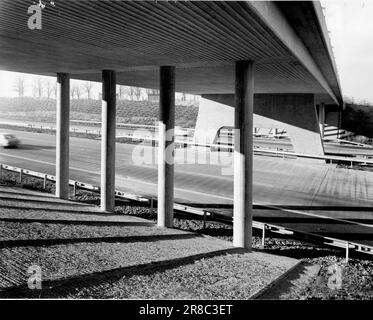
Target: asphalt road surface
[292,188]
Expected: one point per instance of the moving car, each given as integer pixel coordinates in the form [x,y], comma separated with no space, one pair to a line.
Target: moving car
[8,140]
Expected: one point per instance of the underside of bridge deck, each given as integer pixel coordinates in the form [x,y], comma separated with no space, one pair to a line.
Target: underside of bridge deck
[203,47]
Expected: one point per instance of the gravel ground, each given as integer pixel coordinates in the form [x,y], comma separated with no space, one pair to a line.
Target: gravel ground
[233,276]
[34,230]
[356,276]
[60,261]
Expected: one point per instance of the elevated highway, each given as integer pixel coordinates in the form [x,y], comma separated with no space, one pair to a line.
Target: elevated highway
[274,56]
[287,193]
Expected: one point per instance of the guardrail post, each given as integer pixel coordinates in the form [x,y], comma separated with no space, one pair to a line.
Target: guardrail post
[151,206]
[347,251]
[20,176]
[1,169]
[75,188]
[263,235]
[204,219]
[45,182]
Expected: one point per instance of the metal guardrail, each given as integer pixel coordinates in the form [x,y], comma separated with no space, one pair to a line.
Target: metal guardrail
[309,156]
[293,154]
[256,150]
[264,227]
[341,141]
[92,188]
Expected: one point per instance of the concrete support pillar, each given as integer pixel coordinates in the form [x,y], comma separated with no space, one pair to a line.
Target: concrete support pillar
[243,155]
[322,119]
[108,141]
[62,135]
[166,147]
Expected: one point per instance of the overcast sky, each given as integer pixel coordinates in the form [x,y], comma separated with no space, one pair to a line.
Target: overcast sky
[351,30]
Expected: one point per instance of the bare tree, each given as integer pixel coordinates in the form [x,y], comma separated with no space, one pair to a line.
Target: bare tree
[78,92]
[75,91]
[19,85]
[121,91]
[49,89]
[88,88]
[38,87]
[152,94]
[131,92]
[55,90]
[138,93]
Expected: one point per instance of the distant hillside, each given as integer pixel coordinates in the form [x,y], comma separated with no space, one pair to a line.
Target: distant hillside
[140,112]
[358,119]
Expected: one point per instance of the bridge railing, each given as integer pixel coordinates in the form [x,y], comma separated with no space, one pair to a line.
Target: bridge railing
[260,151]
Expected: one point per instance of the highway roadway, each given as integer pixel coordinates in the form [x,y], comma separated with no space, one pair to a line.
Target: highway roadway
[289,185]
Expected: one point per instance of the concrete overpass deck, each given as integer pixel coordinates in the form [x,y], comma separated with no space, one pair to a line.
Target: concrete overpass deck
[202,39]
[277,53]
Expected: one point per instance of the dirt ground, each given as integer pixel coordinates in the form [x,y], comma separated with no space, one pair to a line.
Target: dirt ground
[335,280]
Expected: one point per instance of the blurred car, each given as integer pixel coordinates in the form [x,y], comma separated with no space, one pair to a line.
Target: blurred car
[8,140]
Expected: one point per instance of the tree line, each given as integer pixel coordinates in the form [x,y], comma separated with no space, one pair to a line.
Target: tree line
[47,88]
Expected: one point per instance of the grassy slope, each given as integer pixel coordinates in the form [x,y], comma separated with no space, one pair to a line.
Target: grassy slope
[358,119]
[141,112]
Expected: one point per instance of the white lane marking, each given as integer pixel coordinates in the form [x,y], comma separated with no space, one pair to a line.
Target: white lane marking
[177,189]
[28,159]
[121,177]
[48,163]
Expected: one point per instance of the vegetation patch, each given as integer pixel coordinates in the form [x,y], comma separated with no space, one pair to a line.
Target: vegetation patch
[128,111]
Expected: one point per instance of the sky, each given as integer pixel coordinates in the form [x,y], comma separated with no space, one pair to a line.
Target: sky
[351,30]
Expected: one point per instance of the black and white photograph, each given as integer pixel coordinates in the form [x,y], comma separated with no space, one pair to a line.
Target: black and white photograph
[186,156]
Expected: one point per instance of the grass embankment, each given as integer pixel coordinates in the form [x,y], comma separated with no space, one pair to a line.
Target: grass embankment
[357,275]
[136,112]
